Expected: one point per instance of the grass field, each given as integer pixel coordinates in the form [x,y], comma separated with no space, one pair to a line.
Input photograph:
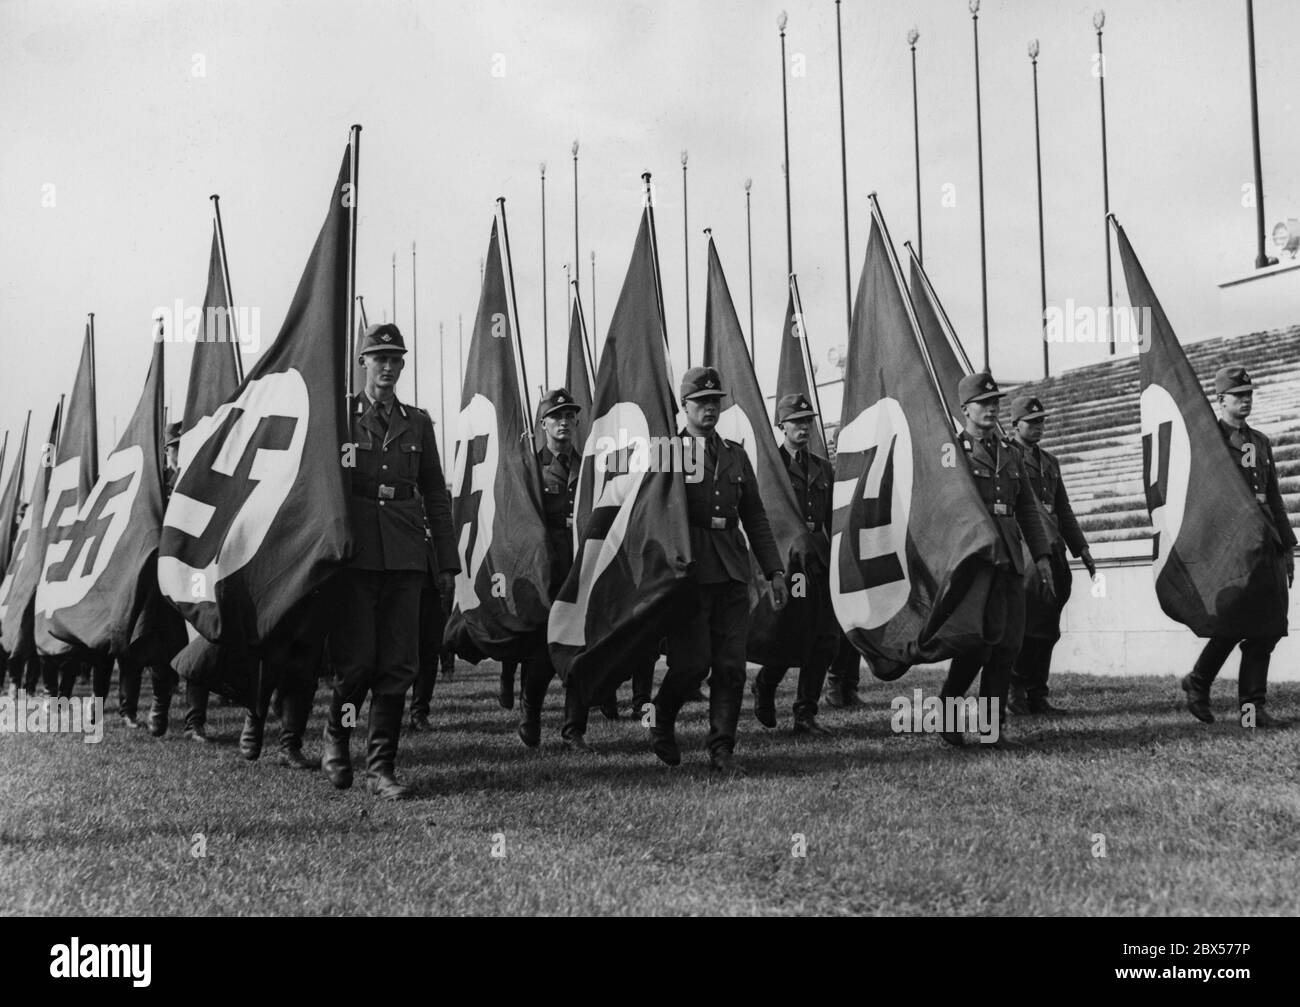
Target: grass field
[1196,819]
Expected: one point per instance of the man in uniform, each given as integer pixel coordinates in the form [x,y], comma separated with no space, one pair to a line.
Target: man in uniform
[398,498]
[1004,488]
[1043,620]
[560,464]
[812,479]
[1236,397]
[713,623]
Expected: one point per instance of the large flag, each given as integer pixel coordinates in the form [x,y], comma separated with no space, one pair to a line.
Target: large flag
[913,547]
[633,546]
[259,515]
[577,371]
[214,367]
[774,637]
[503,588]
[10,500]
[97,580]
[792,370]
[18,590]
[76,470]
[1217,558]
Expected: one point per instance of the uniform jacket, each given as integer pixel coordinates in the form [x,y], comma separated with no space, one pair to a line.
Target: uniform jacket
[1260,477]
[401,516]
[559,488]
[1045,477]
[716,505]
[1003,483]
[813,491]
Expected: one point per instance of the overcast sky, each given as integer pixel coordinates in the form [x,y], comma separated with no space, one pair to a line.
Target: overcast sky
[126,116]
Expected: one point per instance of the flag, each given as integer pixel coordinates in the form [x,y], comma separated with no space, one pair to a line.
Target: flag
[577,372]
[784,637]
[258,517]
[632,541]
[913,548]
[1217,559]
[75,472]
[18,590]
[792,377]
[503,588]
[214,373]
[98,578]
[10,499]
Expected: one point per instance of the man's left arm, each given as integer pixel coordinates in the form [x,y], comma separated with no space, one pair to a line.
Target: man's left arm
[437,506]
[1275,505]
[1075,540]
[754,517]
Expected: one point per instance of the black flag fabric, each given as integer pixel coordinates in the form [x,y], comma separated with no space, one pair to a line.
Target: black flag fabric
[75,472]
[503,587]
[784,637]
[913,548]
[258,517]
[93,592]
[577,370]
[10,500]
[792,377]
[18,590]
[633,546]
[214,376]
[1217,559]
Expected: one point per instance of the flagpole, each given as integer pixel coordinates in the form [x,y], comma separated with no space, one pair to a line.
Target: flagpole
[460,353]
[686,256]
[569,283]
[1098,22]
[974,6]
[361,301]
[781,22]
[526,402]
[654,254]
[586,344]
[593,293]
[577,261]
[415,335]
[225,283]
[350,339]
[442,393]
[809,376]
[1042,252]
[94,401]
[912,37]
[907,299]
[844,176]
[749,249]
[546,345]
[1262,259]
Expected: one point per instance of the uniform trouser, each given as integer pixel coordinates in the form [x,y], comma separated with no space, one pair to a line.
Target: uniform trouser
[432,620]
[165,682]
[1252,678]
[846,667]
[375,636]
[1033,665]
[709,632]
[643,681]
[66,667]
[812,676]
[537,675]
[997,659]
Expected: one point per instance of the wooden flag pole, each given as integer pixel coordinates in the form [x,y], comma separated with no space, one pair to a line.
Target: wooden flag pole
[415,336]
[809,376]
[525,397]
[225,284]
[349,369]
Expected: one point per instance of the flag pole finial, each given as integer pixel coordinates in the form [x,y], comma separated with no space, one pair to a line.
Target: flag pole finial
[913,36]
[782,20]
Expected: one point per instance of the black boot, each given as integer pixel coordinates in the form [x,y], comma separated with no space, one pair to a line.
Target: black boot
[295,708]
[506,695]
[1198,698]
[531,698]
[385,729]
[160,711]
[336,756]
[764,700]
[250,739]
[724,717]
[663,729]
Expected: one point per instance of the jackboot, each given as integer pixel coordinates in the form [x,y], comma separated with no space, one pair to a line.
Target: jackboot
[336,754]
[531,698]
[295,708]
[725,700]
[663,733]
[1198,698]
[250,739]
[764,700]
[385,729]
[506,693]
[160,710]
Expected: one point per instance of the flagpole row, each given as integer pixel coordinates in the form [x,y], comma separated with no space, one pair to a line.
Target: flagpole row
[844,176]
[526,403]
[225,284]
[785,125]
[654,254]
[350,337]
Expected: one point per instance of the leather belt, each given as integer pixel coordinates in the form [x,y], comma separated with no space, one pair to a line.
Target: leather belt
[384,491]
[811,525]
[716,523]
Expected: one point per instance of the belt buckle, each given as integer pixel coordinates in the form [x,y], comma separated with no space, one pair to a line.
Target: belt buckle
[717,523]
[568,522]
[1001,509]
[810,525]
[1050,508]
[1262,497]
[387,492]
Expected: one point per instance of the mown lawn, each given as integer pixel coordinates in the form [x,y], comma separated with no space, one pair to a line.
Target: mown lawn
[1196,819]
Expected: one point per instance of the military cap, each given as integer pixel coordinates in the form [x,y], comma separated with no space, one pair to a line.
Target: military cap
[702,383]
[794,407]
[1027,407]
[978,388]
[173,433]
[382,338]
[557,400]
[1232,380]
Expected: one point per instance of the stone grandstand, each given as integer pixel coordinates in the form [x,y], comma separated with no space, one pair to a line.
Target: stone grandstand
[1093,428]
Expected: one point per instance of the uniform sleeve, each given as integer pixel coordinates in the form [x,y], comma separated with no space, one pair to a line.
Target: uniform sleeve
[754,517]
[437,505]
[829,510]
[1070,530]
[1030,519]
[1275,505]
